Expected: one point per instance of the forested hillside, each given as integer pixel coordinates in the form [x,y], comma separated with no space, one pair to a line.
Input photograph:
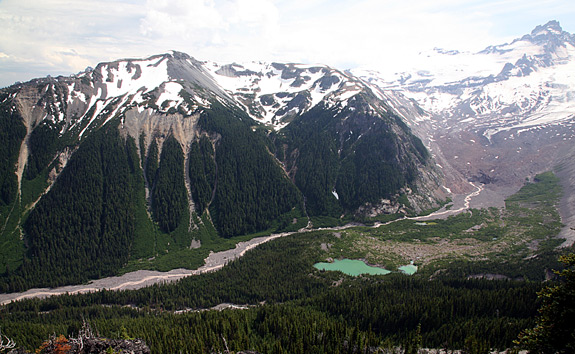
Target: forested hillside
[343,159]
[252,191]
[84,226]
[306,310]
[152,163]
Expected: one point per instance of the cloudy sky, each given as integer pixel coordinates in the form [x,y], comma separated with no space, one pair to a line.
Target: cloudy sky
[61,37]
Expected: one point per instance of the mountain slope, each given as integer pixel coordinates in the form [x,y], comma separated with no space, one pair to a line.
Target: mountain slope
[498,116]
[526,83]
[189,154]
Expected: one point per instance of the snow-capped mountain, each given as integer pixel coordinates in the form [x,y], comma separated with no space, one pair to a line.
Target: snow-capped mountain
[275,93]
[271,93]
[498,116]
[526,83]
[137,158]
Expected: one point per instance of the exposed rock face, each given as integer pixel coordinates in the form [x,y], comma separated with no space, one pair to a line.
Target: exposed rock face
[499,116]
[218,150]
[166,95]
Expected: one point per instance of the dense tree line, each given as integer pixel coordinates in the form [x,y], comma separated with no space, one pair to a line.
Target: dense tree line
[151,166]
[309,149]
[252,190]
[232,172]
[304,312]
[43,145]
[12,132]
[84,226]
[45,139]
[555,328]
[91,212]
[371,171]
[202,170]
[169,195]
[361,156]
[383,320]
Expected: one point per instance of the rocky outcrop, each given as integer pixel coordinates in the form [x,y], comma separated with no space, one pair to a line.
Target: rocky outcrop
[87,343]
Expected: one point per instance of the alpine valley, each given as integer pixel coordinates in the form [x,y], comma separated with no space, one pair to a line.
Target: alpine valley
[456,167]
[498,116]
[136,158]
[141,157]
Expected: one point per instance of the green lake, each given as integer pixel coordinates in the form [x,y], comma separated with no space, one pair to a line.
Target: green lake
[409,269]
[356,267]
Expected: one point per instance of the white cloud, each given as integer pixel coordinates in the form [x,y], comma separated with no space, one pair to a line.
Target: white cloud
[180,17]
[254,13]
[184,18]
[63,36]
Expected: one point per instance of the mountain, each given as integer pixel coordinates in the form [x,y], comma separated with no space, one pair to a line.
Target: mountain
[140,159]
[520,86]
[528,82]
[497,116]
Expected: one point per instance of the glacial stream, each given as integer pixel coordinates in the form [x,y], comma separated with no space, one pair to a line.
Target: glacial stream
[216,260]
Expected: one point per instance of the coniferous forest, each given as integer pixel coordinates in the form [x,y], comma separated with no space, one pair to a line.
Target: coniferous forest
[252,190]
[291,307]
[89,205]
[107,200]
[12,131]
[84,227]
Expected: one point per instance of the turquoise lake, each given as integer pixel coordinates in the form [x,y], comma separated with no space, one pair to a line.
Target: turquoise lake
[356,267]
[409,269]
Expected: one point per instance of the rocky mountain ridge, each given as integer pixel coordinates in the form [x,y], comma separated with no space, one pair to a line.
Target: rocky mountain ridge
[140,157]
[522,84]
[498,116]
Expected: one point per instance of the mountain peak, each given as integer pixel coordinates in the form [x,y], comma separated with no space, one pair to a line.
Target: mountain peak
[550,34]
[551,27]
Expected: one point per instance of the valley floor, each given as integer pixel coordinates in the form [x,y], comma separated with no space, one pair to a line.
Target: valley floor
[480,198]
[142,278]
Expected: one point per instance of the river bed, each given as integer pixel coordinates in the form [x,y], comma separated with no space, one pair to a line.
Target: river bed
[216,260]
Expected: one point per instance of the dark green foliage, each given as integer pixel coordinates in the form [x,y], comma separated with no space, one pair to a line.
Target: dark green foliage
[363,157]
[304,311]
[544,189]
[317,167]
[84,226]
[519,269]
[371,172]
[202,173]
[446,312]
[252,190]
[310,148]
[151,163]
[555,329]
[169,196]
[12,132]
[142,147]
[43,145]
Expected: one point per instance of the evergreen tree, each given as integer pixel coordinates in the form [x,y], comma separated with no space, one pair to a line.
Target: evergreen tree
[202,170]
[251,190]
[43,145]
[152,163]
[555,329]
[84,226]
[12,132]
[169,196]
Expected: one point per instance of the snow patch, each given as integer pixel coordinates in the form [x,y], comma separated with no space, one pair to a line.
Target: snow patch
[123,80]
